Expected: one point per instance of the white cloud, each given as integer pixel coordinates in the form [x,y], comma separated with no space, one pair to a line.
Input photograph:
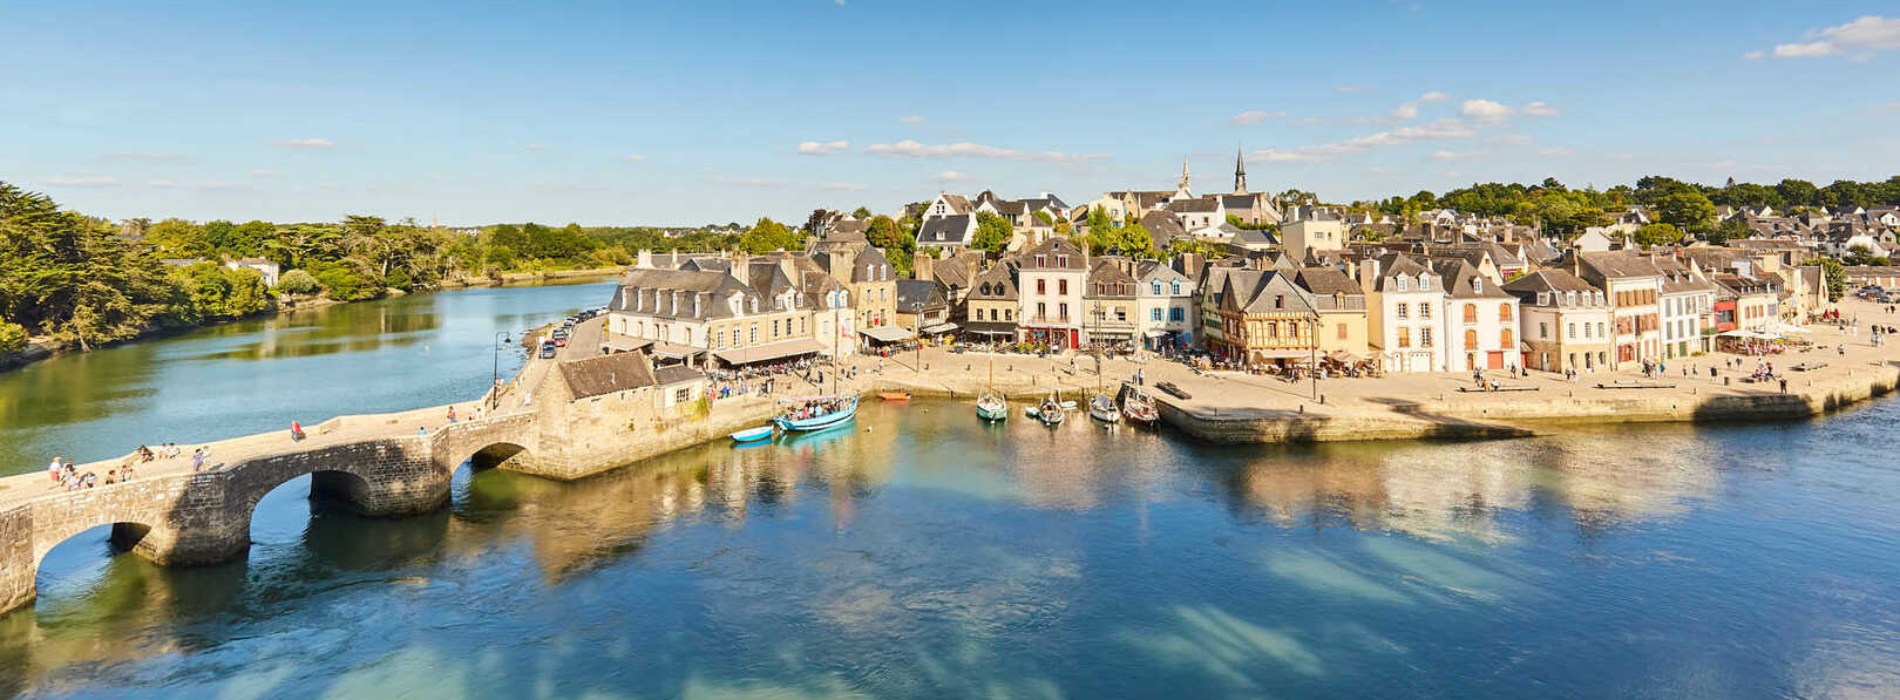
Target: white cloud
[951,175]
[912,149]
[1862,38]
[1443,129]
[1255,116]
[634,158]
[816,148]
[1539,109]
[911,119]
[263,172]
[147,156]
[1511,139]
[305,144]
[1754,55]
[1406,111]
[83,181]
[1449,155]
[1485,110]
[1433,96]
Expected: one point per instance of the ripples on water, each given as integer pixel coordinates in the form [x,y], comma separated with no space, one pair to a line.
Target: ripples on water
[920,554]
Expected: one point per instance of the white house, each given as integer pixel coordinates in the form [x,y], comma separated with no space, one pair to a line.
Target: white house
[1165,306]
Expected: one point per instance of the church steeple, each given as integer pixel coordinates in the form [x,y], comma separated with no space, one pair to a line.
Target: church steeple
[1240,173]
[1184,175]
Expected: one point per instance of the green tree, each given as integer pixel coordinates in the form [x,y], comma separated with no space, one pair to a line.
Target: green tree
[1859,254]
[767,236]
[1834,274]
[1688,210]
[178,238]
[12,337]
[862,212]
[1731,229]
[298,283]
[1657,234]
[1795,193]
[993,233]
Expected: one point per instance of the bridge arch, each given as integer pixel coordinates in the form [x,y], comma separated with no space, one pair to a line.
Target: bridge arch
[497,454]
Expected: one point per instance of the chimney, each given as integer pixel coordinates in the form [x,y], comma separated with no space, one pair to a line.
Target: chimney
[1369,272]
[644,258]
[924,267]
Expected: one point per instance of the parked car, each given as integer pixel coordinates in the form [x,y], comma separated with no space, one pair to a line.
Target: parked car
[560,342]
[547,350]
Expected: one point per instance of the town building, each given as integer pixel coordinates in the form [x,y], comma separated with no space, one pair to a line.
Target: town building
[1404,300]
[1050,282]
[1634,287]
[1342,313]
[1112,310]
[1481,319]
[990,308]
[1267,319]
[1565,322]
[1165,306]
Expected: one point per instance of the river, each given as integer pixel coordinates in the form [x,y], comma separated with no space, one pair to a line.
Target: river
[921,554]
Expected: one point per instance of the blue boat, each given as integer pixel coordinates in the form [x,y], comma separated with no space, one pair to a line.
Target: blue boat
[753,434]
[801,418]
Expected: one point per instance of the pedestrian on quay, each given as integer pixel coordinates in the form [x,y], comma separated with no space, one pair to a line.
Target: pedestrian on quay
[1784,385]
[54,469]
[451,414]
[296,431]
[197,460]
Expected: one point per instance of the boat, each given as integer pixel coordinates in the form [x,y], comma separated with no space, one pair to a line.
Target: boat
[1139,408]
[816,413]
[753,434]
[991,406]
[1102,408]
[1050,412]
[894,395]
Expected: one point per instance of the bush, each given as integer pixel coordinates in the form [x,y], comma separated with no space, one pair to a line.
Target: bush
[298,282]
[12,337]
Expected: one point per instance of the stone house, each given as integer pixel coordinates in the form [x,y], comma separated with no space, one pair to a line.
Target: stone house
[1110,304]
[1481,319]
[1634,288]
[1565,321]
[1404,305]
[1166,306]
[1267,318]
[1342,312]
[990,308]
[1050,282]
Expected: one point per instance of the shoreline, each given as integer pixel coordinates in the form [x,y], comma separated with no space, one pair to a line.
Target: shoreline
[41,349]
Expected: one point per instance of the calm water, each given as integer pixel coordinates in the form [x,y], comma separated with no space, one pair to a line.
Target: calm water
[258,375]
[920,554]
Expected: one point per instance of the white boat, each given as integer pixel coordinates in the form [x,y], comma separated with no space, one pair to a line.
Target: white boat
[1050,412]
[1139,408]
[1103,408]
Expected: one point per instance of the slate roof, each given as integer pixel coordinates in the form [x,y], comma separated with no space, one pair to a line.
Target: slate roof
[1163,227]
[1194,206]
[917,296]
[606,374]
[947,230]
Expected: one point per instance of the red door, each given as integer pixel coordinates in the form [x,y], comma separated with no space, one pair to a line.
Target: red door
[1496,360]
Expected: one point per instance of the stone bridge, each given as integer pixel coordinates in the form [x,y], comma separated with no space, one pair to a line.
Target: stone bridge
[175,516]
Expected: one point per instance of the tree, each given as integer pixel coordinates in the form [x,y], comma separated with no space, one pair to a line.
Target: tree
[178,238]
[12,337]
[1859,254]
[993,233]
[1795,193]
[884,233]
[862,212]
[1688,210]
[1731,229]
[767,236]
[1657,234]
[298,283]
[1834,274]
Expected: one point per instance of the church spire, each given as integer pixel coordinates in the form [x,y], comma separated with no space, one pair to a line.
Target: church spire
[1240,173]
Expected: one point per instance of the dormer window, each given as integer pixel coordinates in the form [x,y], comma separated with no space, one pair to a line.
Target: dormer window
[1477,285]
[1543,298]
[1405,283]
[1424,283]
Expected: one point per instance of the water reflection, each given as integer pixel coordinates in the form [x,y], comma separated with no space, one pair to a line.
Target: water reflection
[919,553]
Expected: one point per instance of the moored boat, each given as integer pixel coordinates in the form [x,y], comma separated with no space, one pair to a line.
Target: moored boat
[1102,408]
[1050,412]
[816,413]
[1139,408]
[894,395]
[753,434]
[992,407]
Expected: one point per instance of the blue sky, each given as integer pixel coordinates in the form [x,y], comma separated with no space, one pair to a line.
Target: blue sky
[693,112]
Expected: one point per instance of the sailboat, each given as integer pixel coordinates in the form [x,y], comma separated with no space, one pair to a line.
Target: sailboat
[1101,405]
[1139,408]
[819,412]
[991,406]
[1050,412]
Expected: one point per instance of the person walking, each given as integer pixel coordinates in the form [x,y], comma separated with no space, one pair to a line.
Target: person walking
[296,431]
[55,468]
[197,460]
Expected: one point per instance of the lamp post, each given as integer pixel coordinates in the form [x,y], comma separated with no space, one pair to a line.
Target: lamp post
[494,379]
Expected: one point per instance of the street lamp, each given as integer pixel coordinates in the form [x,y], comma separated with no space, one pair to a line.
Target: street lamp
[494,380]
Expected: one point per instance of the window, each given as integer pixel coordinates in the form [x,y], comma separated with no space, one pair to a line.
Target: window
[1471,313]
[1504,312]
[1401,311]
[753,336]
[1121,314]
[1062,311]
[735,337]
[1279,301]
[1175,314]
[1062,261]
[1175,288]
[1042,286]
[1042,310]
[1543,298]
[1477,284]
[1154,314]
[1042,261]
[775,328]
[1405,337]
[1505,341]
[1155,287]
[682,395]
[1571,331]
[1009,314]
[1424,337]
[1425,311]
[1342,331]
[1471,340]
[1543,331]
[1423,284]
[1062,287]
[1405,283]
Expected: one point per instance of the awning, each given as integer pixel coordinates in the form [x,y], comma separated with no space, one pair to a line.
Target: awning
[936,328]
[1280,354]
[887,334]
[674,351]
[1156,333]
[769,352]
[621,343]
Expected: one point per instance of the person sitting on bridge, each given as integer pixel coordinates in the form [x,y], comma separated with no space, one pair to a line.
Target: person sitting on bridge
[296,431]
[451,414]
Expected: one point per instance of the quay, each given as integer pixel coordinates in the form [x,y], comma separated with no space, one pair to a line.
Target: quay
[572,417]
